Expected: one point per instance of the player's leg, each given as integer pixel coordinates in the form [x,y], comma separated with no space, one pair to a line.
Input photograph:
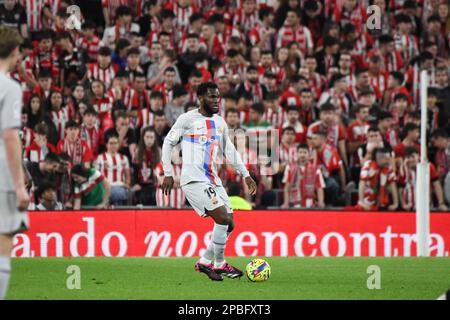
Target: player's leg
[194,193]
[5,263]
[12,222]
[223,225]
[219,236]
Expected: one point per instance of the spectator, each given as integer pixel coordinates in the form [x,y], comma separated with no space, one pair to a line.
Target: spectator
[378,181]
[176,107]
[77,148]
[126,135]
[334,132]
[411,135]
[43,171]
[232,118]
[90,131]
[60,115]
[327,159]
[148,156]
[407,182]
[293,121]
[161,126]
[442,159]
[47,199]
[116,168]
[303,182]
[176,197]
[91,188]
[237,202]
[12,15]
[40,147]
[122,27]
[103,69]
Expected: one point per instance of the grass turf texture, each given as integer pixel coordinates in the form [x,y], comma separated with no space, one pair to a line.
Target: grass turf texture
[175,278]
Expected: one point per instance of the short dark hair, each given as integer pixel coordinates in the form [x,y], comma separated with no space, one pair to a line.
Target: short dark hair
[90,110]
[72,124]
[179,91]
[159,113]
[303,146]
[258,107]
[231,53]
[104,51]
[231,110]
[382,150]
[409,151]
[383,115]
[373,128]
[133,51]
[397,75]
[409,127]
[292,108]
[286,129]
[327,106]
[170,69]
[51,157]
[439,133]
[80,170]
[205,86]
[272,96]
[123,11]
[156,95]
[110,136]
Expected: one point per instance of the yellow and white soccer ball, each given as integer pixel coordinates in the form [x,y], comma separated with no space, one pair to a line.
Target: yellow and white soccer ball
[258,270]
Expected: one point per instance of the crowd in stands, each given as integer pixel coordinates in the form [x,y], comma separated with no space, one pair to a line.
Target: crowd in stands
[102,88]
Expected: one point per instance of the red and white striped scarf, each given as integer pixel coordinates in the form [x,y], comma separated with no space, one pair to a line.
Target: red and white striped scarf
[75,150]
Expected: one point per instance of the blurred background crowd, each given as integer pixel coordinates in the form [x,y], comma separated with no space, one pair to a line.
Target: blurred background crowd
[340,85]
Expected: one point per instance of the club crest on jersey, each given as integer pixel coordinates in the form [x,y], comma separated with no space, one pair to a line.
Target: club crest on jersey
[203,139]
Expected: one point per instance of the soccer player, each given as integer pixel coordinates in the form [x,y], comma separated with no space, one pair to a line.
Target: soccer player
[14,197]
[204,138]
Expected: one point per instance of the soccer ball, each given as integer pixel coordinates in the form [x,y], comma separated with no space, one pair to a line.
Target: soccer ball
[258,270]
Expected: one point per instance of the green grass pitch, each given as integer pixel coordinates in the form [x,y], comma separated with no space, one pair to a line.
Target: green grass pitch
[175,278]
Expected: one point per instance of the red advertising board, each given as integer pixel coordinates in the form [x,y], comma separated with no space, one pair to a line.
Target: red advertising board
[258,233]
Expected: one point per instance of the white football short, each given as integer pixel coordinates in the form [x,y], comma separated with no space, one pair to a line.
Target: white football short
[202,195]
[12,221]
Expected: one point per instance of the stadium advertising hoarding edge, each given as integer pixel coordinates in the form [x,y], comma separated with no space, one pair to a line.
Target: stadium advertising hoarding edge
[258,233]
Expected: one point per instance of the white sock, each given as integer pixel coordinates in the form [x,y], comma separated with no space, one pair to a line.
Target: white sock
[219,239]
[5,270]
[208,255]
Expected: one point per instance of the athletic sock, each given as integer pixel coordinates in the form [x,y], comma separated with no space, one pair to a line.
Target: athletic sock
[208,255]
[5,270]
[219,239]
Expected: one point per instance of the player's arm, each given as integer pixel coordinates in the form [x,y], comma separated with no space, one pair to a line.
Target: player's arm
[286,191]
[106,195]
[320,198]
[77,204]
[170,141]
[439,194]
[394,193]
[234,158]
[343,151]
[11,121]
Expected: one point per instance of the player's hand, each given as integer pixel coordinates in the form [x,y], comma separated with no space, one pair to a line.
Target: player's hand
[23,199]
[167,185]
[251,184]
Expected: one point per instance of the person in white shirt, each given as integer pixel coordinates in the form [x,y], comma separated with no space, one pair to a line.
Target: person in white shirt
[204,139]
